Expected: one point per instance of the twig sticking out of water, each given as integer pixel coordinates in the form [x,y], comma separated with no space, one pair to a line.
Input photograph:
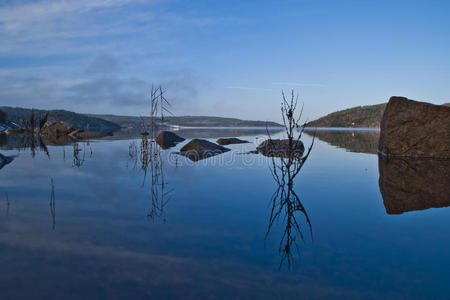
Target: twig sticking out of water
[149,153]
[159,194]
[53,205]
[285,203]
[77,159]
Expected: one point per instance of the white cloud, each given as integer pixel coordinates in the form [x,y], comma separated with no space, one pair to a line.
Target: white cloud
[250,88]
[299,84]
[75,27]
[17,16]
[103,54]
[133,27]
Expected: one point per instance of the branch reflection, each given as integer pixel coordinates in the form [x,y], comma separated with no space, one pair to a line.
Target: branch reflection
[287,161]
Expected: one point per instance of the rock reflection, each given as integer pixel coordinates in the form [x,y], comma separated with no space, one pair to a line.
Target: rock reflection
[5,160]
[35,144]
[413,184]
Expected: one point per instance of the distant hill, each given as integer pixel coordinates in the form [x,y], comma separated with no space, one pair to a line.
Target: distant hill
[360,116]
[71,119]
[2,116]
[135,123]
[112,123]
[203,121]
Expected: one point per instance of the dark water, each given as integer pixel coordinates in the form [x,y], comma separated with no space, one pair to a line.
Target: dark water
[99,234]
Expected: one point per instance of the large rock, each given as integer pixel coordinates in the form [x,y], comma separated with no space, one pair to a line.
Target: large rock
[229,141]
[414,184]
[167,139]
[281,148]
[415,129]
[198,149]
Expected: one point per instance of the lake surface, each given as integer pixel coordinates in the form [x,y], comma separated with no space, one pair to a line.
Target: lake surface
[99,233]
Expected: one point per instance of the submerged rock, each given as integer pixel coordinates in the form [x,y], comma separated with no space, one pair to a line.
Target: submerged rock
[413,184]
[198,149]
[168,139]
[4,160]
[280,148]
[229,141]
[415,129]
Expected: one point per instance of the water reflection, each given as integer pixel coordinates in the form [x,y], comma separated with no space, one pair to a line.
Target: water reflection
[104,235]
[35,144]
[7,204]
[413,184]
[359,141]
[196,155]
[149,157]
[53,205]
[286,207]
[78,160]
[201,132]
[5,160]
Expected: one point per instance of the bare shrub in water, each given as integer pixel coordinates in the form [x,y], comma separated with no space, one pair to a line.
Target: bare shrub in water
[285,203]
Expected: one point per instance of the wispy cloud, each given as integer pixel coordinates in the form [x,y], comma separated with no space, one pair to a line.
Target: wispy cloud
[250,88]
[103,64]
[99,89]
[299,84]
[55,27]
[93,26]
[94,55]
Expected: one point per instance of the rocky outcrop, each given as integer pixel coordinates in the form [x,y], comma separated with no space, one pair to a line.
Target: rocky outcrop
[198,149]
[415,129]
[281,148]
[58,133]
[413,184]
[229,141]
[56,129]
[167,139]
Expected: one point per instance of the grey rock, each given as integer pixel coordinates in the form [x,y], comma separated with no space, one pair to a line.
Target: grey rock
[415,129]
[198,149]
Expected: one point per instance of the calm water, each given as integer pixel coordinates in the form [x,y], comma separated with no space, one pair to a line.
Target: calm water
[102,235]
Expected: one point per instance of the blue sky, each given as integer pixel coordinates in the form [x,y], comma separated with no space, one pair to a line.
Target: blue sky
[223,58]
